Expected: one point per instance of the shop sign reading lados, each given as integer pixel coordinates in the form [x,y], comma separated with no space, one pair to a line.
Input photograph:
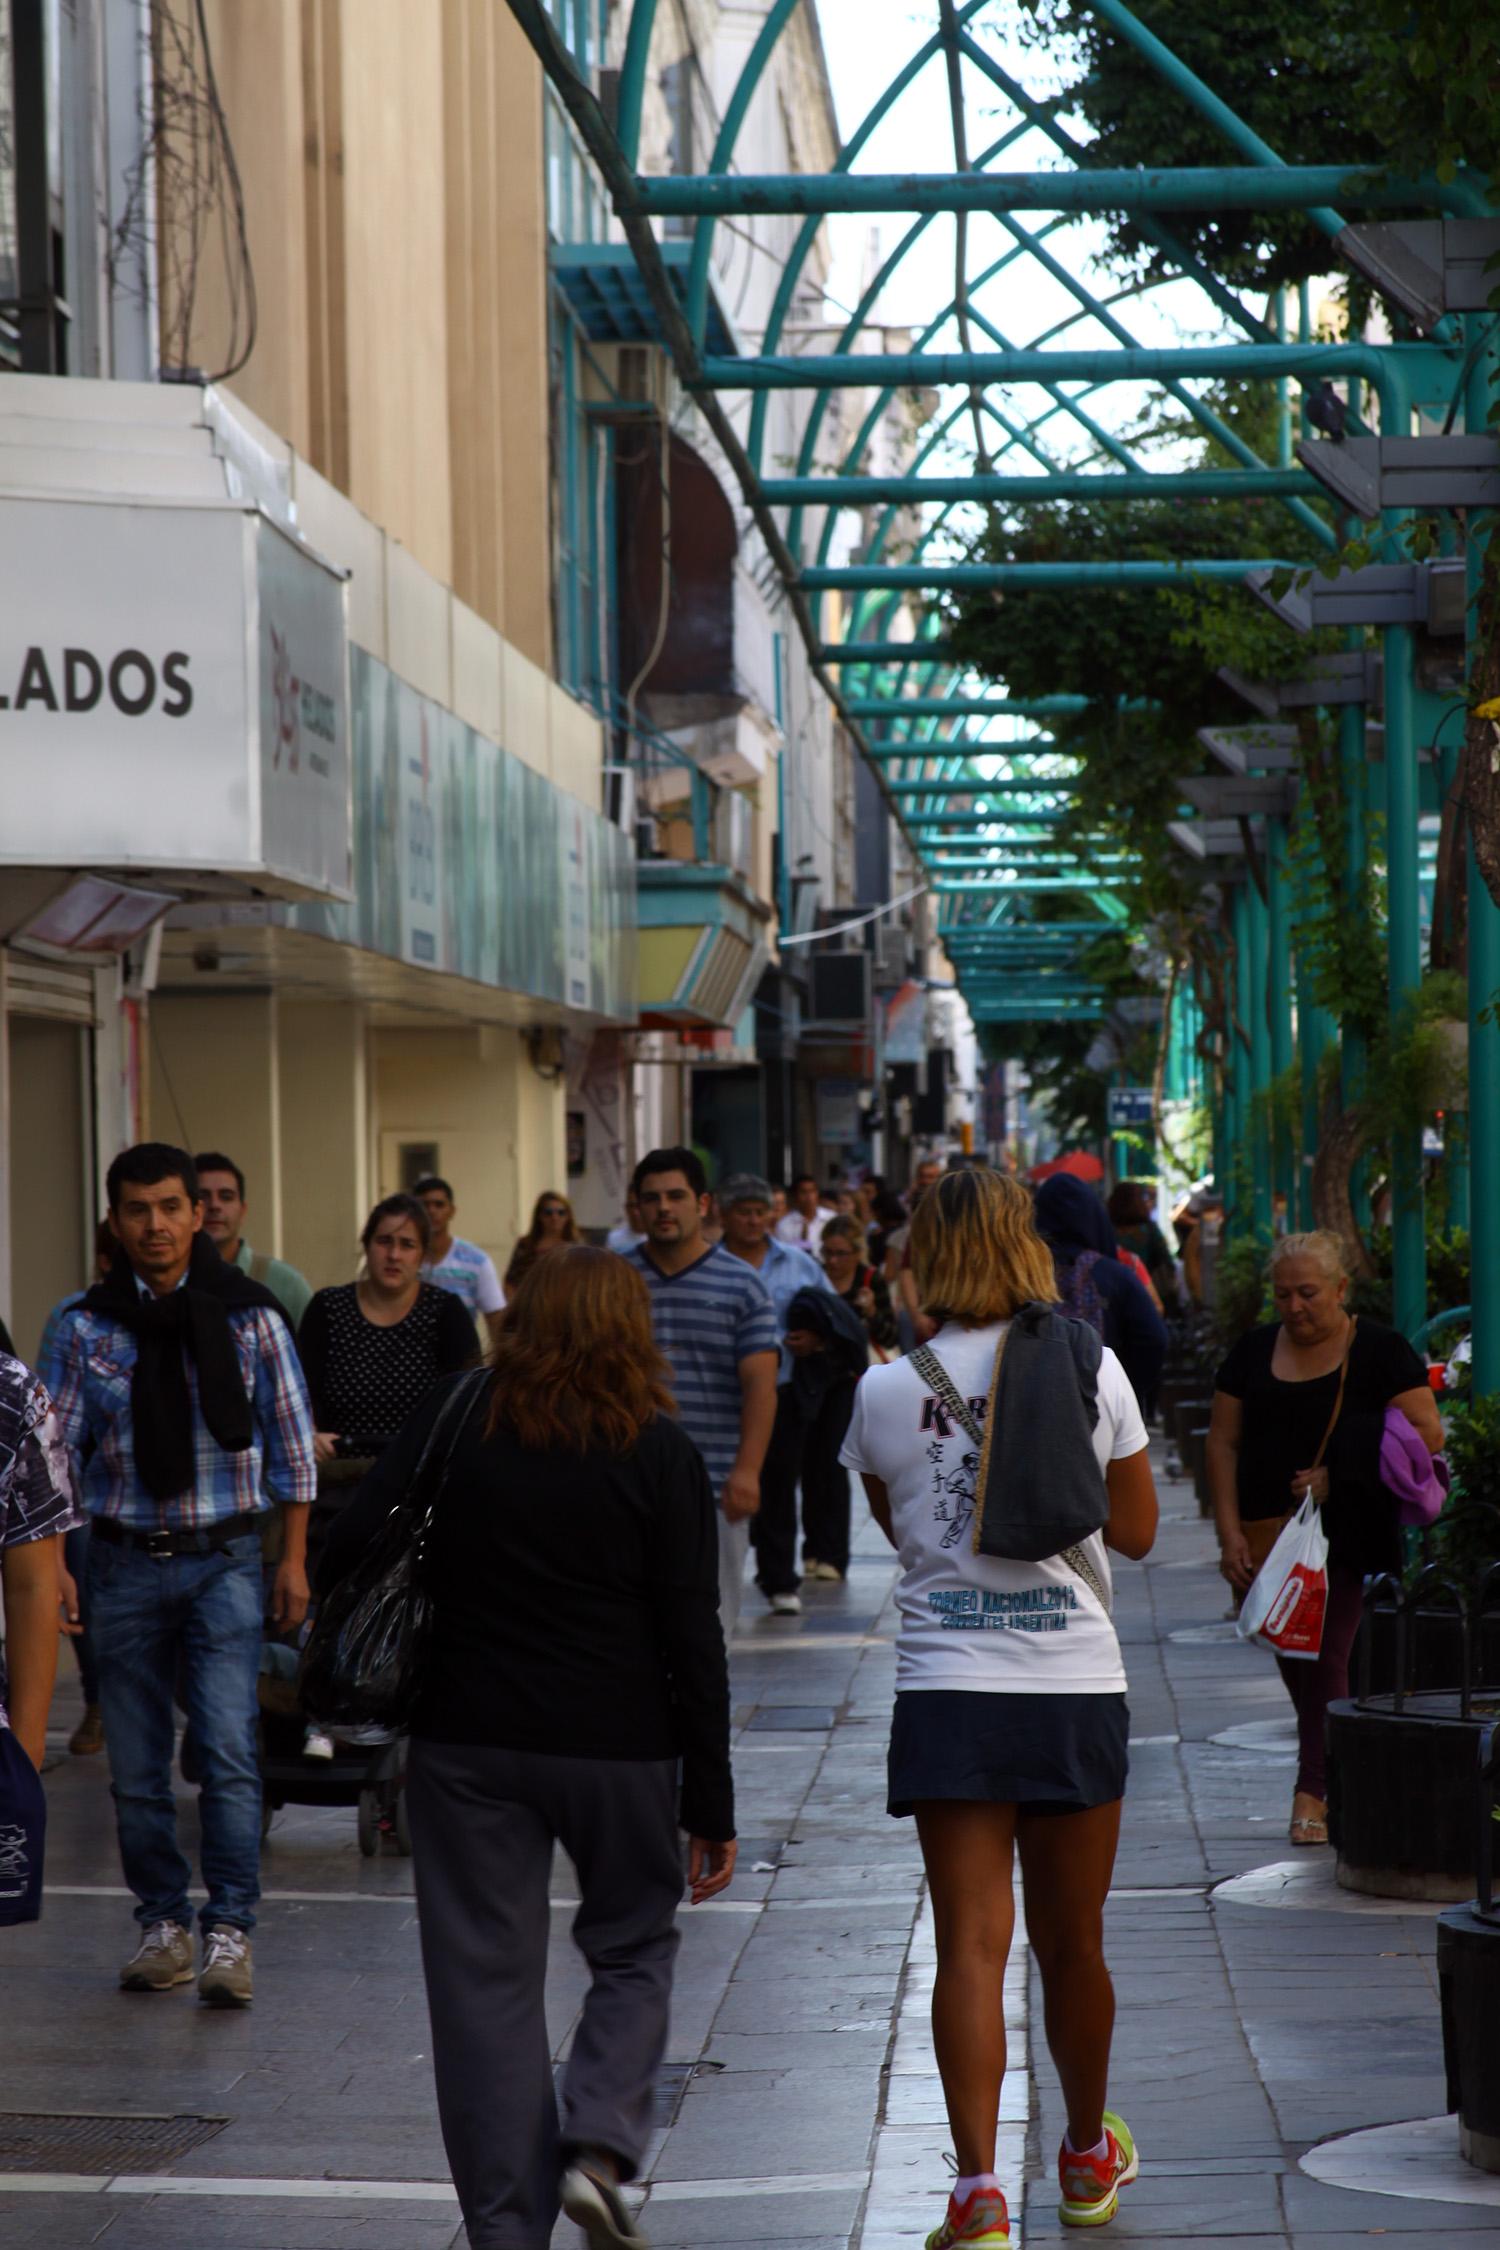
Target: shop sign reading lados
[173,697]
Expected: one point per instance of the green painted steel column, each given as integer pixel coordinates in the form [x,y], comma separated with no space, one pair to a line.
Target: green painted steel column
[1316,1033]
[1484,986]
[1484,1131]
[1279,1010]
[1239,1197]
[1404,960]
[1258,1114]
[1354,780]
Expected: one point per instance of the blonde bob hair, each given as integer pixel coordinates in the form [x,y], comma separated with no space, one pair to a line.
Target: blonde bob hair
[975,1250]
[1324,1248]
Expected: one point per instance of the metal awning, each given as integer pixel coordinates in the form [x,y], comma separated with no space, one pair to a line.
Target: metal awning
[602,283]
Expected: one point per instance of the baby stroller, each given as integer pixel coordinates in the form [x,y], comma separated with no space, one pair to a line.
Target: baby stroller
[369,1773]
[368,1765]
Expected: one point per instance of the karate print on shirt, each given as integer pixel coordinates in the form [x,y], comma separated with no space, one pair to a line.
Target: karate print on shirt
[975,1609]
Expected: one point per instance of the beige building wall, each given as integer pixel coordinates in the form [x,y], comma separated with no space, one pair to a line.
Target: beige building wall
[214,1082]
[496,1125]
[391,155]
[324,1137]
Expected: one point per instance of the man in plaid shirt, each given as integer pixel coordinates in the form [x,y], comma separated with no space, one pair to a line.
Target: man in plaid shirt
[178,1392]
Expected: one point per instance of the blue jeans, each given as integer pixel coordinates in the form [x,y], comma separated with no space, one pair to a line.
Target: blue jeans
[76,1556]
[193,1621]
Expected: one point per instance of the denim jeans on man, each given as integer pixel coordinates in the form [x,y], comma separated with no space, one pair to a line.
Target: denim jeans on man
[193,1619]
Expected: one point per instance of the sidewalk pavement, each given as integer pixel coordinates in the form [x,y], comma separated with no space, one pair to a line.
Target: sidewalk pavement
[800,2108]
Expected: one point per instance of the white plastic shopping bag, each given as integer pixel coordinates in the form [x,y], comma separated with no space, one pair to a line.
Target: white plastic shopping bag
[1288,1599]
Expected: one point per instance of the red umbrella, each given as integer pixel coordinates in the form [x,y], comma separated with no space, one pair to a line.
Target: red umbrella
[1077,1161]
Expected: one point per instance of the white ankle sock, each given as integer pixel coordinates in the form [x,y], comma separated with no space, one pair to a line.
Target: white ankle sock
[965,2184]
[1099,2150]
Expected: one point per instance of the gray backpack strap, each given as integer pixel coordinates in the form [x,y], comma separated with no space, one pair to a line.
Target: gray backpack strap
[260,1268]
[934,1374]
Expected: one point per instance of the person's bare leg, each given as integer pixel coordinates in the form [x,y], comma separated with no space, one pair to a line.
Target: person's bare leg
[967,1850]
[1066,1863]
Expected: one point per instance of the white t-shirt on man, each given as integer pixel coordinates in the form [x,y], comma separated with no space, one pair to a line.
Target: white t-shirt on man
[967,1620]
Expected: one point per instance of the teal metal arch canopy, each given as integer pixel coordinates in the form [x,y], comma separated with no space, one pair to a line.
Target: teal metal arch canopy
[910,740]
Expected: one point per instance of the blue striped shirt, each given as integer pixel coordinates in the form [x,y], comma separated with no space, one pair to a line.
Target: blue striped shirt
[708,1318]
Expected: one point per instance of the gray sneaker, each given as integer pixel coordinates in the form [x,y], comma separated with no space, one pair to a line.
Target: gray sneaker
[226,1980]
[163,1958]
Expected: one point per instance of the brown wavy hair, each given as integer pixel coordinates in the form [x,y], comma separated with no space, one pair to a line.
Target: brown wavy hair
[576,1365]
[975,1250]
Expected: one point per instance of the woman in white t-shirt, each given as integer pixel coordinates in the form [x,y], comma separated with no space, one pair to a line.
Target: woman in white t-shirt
[1010,1725]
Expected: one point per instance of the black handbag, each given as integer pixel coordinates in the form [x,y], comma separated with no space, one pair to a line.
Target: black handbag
[362,1663]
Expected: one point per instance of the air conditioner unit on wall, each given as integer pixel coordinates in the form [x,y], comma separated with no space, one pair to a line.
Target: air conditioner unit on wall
[840,988]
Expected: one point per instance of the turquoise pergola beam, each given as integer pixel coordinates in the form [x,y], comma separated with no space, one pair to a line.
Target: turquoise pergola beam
[1096,364]
[1198,187]
[1061,484]
[970,785]
[931,577]
[956,707]
[911,652]
[1018,886]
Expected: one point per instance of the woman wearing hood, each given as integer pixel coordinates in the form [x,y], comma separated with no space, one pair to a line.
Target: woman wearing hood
[1095,1286]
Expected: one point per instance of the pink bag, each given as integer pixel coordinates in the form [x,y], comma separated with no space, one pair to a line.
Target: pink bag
[1419,1479]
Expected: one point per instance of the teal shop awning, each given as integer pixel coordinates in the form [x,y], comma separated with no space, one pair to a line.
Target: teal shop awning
[603,285]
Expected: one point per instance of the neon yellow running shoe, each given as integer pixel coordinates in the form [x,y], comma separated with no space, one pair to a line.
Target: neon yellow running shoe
[980,2222]
[1091,2184]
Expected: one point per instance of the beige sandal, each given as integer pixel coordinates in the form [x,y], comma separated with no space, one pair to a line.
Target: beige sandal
[1308,1827]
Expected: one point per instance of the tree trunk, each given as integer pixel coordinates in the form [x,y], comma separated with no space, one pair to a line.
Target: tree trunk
[1339,1145]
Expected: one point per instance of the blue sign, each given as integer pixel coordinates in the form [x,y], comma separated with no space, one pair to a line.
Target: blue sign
[1128,1108]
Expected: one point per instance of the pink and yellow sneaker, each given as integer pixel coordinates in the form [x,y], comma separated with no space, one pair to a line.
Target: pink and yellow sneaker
[1091,2184]
[980,2222]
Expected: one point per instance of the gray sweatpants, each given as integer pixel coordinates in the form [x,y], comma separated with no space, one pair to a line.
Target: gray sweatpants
[483,1824]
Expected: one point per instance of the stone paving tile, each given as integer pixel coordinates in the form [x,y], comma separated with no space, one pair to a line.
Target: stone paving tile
[1244,2034]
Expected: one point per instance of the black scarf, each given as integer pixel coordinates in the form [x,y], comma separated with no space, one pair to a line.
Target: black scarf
[193,1319]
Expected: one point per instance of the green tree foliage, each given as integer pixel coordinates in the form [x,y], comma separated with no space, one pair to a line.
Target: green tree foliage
[1320,81]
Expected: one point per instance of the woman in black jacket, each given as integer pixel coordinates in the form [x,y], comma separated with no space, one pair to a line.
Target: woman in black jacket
[575,1658]
[1094,1285]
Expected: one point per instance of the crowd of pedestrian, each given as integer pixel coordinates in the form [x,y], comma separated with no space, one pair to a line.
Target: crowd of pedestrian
[205,1434]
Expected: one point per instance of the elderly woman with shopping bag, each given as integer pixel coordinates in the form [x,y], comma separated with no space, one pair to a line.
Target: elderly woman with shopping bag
[1299,1415]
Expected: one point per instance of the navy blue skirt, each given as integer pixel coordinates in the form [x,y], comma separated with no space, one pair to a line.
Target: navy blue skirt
[1050,1753]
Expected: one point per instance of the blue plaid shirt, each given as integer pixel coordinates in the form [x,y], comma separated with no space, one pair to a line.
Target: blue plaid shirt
[88,1373]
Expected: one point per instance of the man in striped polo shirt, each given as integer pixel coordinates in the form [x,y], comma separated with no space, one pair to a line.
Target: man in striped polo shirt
[717,1330]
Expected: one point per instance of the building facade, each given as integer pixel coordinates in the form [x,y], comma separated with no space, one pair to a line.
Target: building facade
[406,758]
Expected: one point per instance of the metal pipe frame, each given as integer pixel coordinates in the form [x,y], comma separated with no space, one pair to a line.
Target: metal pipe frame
[922,576]
[1198,187]
[1061,484]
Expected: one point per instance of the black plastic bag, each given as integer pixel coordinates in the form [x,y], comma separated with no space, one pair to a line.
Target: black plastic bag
[362,1665]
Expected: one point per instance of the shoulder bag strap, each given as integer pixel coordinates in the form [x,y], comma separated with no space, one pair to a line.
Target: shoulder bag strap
[1338,1404]
[448,1427]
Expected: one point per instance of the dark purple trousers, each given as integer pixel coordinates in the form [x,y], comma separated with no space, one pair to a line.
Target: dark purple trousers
[1313,1686]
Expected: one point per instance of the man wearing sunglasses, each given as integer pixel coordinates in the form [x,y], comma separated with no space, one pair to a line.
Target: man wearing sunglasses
[460,1267]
